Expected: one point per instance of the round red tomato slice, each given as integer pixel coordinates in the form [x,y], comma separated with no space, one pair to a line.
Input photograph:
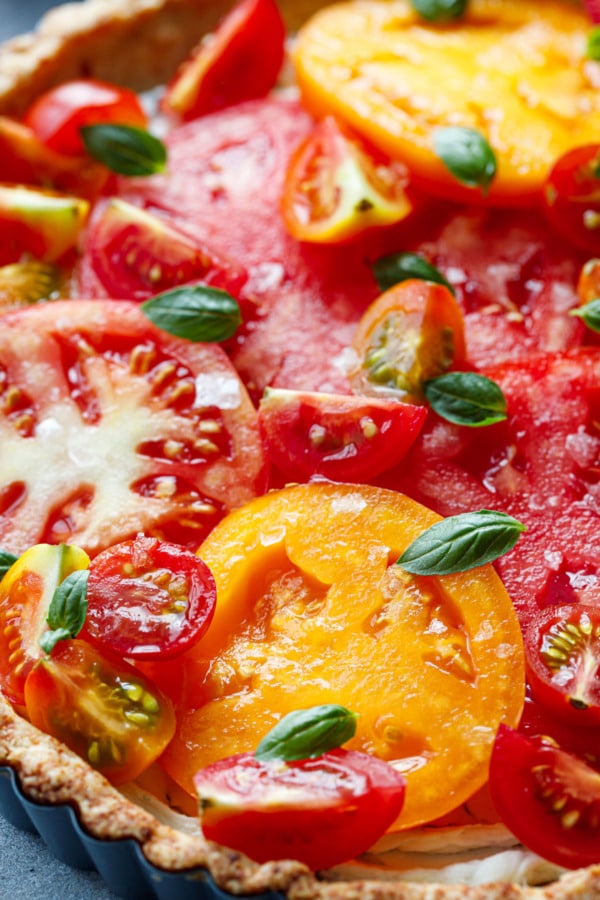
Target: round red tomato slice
[341,437]
[321,811]
[572,197]
[548,798]
[106,711]
[148,599]
[240,61]
[110,427]
[57,115]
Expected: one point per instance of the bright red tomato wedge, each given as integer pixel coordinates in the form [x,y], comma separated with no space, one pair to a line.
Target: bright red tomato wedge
[40,223]
[572,197]
[321,811]
[148,599]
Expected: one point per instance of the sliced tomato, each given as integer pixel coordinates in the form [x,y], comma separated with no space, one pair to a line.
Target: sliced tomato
[341,437]
[136,254]
[105,710]
[25,595]
[110,427]
[58,114]
[28,282]
[410,334]
[44,224]
[240,61]
[320,811]
[148,599]
[335,188]
[572,197]
[548,798]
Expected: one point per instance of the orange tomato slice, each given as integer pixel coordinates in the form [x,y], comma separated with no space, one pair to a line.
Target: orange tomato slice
[312,609]
[515,72]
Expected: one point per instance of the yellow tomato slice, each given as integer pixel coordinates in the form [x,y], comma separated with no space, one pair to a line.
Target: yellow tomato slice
[514,71]
[312,609]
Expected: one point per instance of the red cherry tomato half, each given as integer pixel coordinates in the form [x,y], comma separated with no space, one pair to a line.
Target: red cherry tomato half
[240,61]
[106,711]
[342,437]
[321,811]
[57,115]
[572,197]
[335,188]
[148,599]
[547,797]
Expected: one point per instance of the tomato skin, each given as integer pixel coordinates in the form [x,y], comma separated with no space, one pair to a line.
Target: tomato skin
[548,798]
[572,197]
[240,61]
[102,708]
[148,599]
[337,806]
[57,115]
[341,437]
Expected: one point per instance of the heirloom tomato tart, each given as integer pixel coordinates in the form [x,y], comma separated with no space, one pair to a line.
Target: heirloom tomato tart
[300,446]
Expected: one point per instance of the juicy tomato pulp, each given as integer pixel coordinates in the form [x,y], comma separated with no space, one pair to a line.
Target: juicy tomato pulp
[148,599]
[106,711]
[572,197]
[347,801]
[39,223]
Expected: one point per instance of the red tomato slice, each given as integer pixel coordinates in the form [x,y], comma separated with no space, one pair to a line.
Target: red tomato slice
[240,61]
[106,711]
[109,427]
[572,197]
[335,188]
[40,223]
[341,437]
[148,599]
[321,811]
[57,115]
[548,798]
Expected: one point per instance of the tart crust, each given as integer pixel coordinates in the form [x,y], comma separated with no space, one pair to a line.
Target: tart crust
[140,43]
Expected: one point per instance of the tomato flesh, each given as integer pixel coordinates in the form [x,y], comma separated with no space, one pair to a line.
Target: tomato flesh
[320,811]
[572,197]
[44,224]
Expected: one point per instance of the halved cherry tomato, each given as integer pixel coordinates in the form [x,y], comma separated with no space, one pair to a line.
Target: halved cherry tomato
[104,710]
[148,599]
[25,595]
[410,334]
[57,115]
[572,197]
[339,436]
[44,224]
[548,798]
[240,61]
[588,285]
[335,188]
[320,811]
[136,254]
[306,583]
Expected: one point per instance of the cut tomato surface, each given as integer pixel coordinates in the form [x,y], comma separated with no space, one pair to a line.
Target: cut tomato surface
[572,197]
[110,426]
[39,223]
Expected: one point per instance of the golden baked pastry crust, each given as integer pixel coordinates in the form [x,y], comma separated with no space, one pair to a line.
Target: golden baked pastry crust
[139,43]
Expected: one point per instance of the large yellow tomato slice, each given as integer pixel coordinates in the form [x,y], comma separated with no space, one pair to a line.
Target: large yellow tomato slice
[517,72]
[312,609]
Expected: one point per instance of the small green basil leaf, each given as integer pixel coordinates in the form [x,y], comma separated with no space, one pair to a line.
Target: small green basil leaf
[593,44]
[308,733]
[466,398]
[67,610]
[124,149]
[466,154]
[590,313]
[6,561]
[461,542]
[195,312]
[440,10]
[396,267]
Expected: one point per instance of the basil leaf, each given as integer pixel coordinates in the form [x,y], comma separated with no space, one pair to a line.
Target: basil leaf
[396,267]
[590,313]
[461,542]
[125,150]
[67,610]
[6,561]
[439,10]
[308,733]
[593,44]
[466,398]
[466,154]
[195,312]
